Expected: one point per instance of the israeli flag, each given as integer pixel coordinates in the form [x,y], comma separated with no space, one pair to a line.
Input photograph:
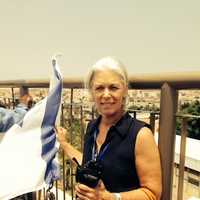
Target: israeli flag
[28,149]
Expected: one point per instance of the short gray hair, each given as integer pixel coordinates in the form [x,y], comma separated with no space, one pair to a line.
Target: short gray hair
[107,63]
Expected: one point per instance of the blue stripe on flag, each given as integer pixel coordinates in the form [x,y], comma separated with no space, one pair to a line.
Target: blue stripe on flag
[48,136]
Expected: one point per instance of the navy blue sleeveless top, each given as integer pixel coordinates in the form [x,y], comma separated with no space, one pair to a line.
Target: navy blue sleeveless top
[119,170]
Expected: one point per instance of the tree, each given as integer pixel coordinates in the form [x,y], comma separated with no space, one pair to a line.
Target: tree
[192,108]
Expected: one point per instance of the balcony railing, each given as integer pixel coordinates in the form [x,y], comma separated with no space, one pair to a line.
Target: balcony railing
[169,85]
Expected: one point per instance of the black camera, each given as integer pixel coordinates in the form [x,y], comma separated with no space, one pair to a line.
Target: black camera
[89,174]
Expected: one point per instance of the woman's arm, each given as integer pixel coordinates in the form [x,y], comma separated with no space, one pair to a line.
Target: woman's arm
[70,151]
[148,168]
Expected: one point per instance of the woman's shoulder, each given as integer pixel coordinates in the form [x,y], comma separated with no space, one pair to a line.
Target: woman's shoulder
[141,124]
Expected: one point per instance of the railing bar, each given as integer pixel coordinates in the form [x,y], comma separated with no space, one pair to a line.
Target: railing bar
[134,114]
[93,112]
[188,116]
[82,129]
[71,115]
[63,153]
[199,183]
[39,194]
[182,159]
[13,97]
[56,190]
[143,111]
[152,122]
[63,160]
[44,193]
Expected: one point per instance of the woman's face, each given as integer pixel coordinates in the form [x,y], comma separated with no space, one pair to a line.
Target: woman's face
[108,92]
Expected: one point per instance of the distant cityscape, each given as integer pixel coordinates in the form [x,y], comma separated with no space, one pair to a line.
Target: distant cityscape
[138,98]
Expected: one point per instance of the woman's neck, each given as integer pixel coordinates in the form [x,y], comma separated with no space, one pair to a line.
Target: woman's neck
[111,119]
[105,124]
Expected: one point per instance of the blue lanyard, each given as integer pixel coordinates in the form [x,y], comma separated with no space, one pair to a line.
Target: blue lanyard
[95,155]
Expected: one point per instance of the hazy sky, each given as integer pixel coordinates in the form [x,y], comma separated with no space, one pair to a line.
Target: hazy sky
[146,35]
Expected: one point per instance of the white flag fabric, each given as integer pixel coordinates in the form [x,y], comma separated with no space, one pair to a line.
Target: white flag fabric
[28,149]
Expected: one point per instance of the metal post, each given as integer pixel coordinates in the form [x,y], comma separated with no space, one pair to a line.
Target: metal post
[39,195]
[93,112]
[182,159]
[63,160]
[199,183]
[56,189]
[82,128]
[168,107]
[134,114]
[23,90]
[71,119]
[32,196]
[152,122]
[13,98]
[63,155]
[44,193]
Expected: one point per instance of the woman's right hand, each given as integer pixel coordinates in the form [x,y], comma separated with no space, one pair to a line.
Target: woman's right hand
[70,151]
[61,133]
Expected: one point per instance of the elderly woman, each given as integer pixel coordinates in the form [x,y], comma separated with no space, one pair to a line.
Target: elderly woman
[124,146]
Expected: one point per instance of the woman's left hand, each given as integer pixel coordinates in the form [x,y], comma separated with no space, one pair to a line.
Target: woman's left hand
[84,192]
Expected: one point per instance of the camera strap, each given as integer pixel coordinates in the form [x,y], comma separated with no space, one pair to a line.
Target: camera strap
[95,155]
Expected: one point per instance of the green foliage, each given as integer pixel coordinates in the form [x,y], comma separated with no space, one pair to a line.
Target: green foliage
[73,125]
[192,108]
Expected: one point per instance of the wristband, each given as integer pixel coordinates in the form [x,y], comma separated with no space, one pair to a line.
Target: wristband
[117,196]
